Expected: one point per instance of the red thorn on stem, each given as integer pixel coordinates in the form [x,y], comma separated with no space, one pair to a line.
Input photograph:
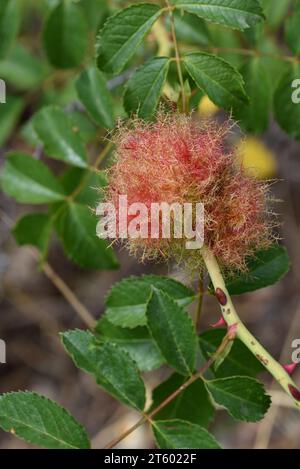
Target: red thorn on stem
[290,368]
[232,330]
[294,392]
[221,296]
[220,323]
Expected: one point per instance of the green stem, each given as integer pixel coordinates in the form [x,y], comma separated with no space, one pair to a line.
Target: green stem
[231,318]
[199,303]
[177,58]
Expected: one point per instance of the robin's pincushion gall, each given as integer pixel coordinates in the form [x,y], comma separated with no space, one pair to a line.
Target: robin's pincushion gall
[177,159]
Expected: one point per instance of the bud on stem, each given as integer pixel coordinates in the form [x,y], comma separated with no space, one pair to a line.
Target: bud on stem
[290,368]
[220,323]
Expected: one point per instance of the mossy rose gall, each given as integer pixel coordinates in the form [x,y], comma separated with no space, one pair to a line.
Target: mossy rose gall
[178,159]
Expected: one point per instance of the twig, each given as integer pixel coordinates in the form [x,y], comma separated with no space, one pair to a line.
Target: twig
[130,430]
[102,155]
[171,397]
[177,55]
[72,299]
[252,53]
[243,51]
[100,158]
[80,309]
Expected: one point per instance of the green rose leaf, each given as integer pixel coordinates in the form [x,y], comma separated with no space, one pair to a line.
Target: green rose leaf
[173,331]
[275,11]
[10,19]
[220,80]
[87,130]
[66,35]
[118,372]
[179,434]
[40,421]
[95,11]
[9,115]
[30,181]
[122,34]
[236,14]
[292,31]
[243,397]
[56,131]
[265,268]
[80,345]
[127,300]
[145,86]
[137,342]
[287,100]
[192,405]
[33,229]
[94,95]
[254,117]
[111,366]
[239,361]
[76,227]
[190,28]
[22,69]
[89,184]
